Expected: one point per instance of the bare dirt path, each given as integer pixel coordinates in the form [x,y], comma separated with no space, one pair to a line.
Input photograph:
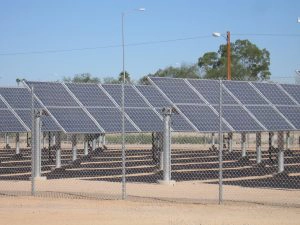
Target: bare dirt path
[51,211]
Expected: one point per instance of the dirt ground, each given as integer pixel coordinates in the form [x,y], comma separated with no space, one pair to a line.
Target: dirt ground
[56,211]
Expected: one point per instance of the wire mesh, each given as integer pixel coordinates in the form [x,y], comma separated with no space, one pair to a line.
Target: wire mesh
[185,140]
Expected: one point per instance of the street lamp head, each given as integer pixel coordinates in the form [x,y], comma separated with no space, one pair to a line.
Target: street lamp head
[216,34]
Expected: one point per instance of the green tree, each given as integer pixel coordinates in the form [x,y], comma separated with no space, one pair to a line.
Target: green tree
[127,77]
[184,71]
[82,78]
[110,80]
[248,62]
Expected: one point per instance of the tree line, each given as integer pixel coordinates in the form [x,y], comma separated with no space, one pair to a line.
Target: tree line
[248,62]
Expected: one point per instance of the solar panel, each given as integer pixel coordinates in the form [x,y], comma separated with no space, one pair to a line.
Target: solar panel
[178,123]
[239,119]
[177,90]
[292,114]
[210,90]
[155,98]
[202,117]
[110,119]
[293,90]
[48,123]
[90,95]
[273,93]
[132,98]
[145,118]
[18,98]
[2,105]
[74,120]
[52,94]
[244,92]
[271,119]
[9,123]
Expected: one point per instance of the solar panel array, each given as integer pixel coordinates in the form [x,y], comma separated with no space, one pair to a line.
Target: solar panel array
[97,108]
[246,106]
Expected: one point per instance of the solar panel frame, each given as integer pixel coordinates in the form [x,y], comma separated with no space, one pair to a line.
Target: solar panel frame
[292,113]
[9,123]
[292,90]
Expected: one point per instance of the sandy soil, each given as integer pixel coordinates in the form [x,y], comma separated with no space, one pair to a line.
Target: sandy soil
[49,211]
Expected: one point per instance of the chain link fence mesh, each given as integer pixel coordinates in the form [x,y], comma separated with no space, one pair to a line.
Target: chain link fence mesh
[255,160]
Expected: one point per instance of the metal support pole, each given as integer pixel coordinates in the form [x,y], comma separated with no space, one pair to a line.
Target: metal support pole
[230,135]
[17,143]
[213,138]
[220,145]
[74,147]
[86,146]
[288,139]
[37,145]
[272,137]
[94,143]
[243,143]
[167,146]
[53,139]
[258,147]
[44,139]
[280,152]
[58,151]
[6,139]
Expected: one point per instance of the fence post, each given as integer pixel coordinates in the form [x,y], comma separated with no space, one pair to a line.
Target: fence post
[220,145]
[258,147]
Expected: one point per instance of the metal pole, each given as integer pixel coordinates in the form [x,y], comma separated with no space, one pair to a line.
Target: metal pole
[243,140]
[32,143]
[94,142]
[220,146]
[74,147]
[58,151]
[37,145]
[167,145]
[258,147]
[280,152]
[123,115]
[228,57]
[6,140]
[288,139]
[53,139]
[85,145]
[17,143]
[213,138]
[230,142]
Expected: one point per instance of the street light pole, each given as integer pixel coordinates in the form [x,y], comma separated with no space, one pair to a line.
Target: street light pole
[228,57]
[227,38]
[123,108]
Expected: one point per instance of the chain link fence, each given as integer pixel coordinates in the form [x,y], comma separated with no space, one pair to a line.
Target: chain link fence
[225,141]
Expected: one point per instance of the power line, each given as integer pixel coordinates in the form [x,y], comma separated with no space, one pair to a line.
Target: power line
[136,44]
[101,47]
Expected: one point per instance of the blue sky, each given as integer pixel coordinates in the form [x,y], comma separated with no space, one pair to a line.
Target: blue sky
[33,26]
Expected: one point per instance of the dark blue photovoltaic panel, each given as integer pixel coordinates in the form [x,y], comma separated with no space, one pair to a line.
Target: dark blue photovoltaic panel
[2,105]
[202,117]
[48,123]
[132,98]
[9,123]
[90,95]
[292,114]
[74,120]
[268,117]
[293,90]
[177,90]
[145,118]
[178,123]
[273,93]
[210,90]
[155,98]
[244,92]
[18,98]
[110,119]
[239,119]
[52,94]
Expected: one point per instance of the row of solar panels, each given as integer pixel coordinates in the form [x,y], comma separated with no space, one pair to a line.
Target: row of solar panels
[96,108]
